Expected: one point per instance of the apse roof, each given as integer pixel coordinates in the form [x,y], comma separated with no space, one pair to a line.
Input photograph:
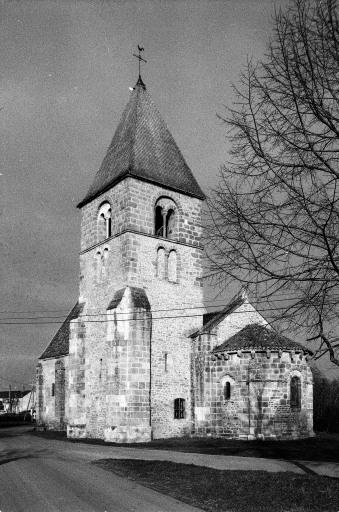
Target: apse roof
[59,346]
[259,337]
[143,147]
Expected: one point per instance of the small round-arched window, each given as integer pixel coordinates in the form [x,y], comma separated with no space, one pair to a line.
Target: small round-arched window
[172,266]
[227,390]
[227,387]
[161,263]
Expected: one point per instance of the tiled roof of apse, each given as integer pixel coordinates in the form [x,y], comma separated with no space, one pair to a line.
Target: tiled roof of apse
[259,337]
[143,147]
[59,346]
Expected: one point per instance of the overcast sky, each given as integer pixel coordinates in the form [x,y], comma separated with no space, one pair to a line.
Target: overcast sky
[66,69]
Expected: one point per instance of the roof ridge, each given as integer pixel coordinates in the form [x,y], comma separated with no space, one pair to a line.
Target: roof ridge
[134,129]
[59,344]
[256,336]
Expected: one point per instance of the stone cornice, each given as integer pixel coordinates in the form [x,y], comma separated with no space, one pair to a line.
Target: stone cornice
[168,240]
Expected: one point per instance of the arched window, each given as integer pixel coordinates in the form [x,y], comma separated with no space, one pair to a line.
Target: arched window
[227,390]
[165,218]
[179,408]
[105,254]
[172,267]
[104,222]
[161,263]
[227,387]
[295,393]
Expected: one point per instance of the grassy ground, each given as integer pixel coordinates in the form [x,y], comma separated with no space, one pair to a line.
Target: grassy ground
[323,447]
[239,491]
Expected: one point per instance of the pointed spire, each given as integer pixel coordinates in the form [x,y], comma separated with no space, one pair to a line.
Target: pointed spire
[143,147]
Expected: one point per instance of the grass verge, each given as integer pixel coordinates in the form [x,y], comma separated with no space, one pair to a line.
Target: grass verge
[239,491]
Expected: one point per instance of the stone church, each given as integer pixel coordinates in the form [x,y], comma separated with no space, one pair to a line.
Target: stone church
[138,357]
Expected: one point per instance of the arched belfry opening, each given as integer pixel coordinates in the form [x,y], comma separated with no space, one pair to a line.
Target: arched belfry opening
[165,218]
[104,228]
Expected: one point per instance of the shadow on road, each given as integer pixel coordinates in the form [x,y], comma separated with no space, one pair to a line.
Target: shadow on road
[15,431]
[12,455]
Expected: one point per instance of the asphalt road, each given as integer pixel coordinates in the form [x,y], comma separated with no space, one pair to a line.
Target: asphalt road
[40,475]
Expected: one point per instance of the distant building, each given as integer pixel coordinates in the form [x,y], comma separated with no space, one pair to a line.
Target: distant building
[16,401]
[138,358]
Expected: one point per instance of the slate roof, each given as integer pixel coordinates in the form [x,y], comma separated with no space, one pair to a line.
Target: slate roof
[211,320]
[259,337]
[59,346]
[143,147]
[138,295]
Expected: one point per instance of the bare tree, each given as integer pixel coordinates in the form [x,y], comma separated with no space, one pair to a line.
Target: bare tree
[326,402]
[274,217]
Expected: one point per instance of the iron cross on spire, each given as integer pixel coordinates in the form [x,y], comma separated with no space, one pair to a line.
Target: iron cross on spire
[140,58]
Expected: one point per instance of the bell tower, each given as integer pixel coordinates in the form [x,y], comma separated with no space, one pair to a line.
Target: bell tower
[141,283]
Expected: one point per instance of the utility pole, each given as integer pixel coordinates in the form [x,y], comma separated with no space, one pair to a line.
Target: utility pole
[9,398]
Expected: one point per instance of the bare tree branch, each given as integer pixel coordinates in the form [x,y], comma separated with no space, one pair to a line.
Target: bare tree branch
[275,215]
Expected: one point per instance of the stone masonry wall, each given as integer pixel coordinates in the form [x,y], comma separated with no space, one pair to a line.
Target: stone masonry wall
[132,208]
[259,406]
[52,409]
[60,393]
[76,381]
[127,372]
[130,259]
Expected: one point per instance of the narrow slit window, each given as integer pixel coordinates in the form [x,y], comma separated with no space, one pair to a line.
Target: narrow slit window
[227,391]
[53,389]
[169,223]
[295,397]
[108,227]
[159,222]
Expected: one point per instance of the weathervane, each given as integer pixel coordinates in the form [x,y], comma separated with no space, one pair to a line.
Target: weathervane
[140,58]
